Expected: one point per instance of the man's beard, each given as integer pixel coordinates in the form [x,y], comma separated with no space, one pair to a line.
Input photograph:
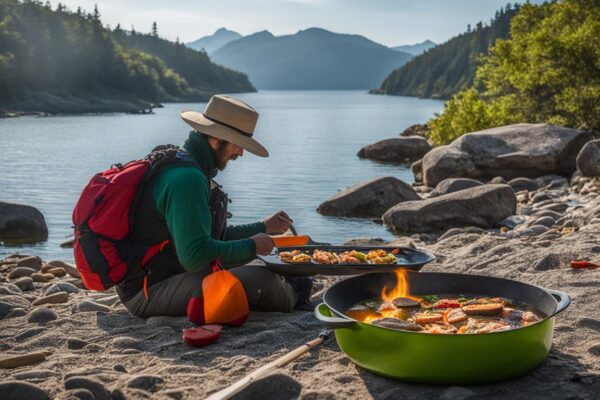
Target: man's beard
[220,157]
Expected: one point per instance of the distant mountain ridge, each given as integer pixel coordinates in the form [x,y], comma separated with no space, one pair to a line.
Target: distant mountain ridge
[215,41]
[310,59]
[417,48]
[449,67]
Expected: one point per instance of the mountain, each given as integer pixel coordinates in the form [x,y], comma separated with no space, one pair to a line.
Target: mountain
[310,59]
[59,61]
[448,68]
[417,48]
[215,41]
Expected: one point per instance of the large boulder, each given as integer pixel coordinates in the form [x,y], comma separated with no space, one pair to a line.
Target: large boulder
[21,224]
[399,149]
[368,199]
[588,160]
[482,206]
[452,185]
[513,151]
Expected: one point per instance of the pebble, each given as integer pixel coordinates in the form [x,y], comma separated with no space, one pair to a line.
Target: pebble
[124,342]
[558,207]
[36,375]
[56,298]
[22,360]
[9,288]
[21,390]
[519,184]
[538,229]
[33,262]
[512,221]
[28,333]
[149,383]
[93,385]
[526,210]
[548,213]
[80,394]
[37,277]
[20,272]
[5,309]
[45,268]
[60,287]
[548,262]
[540,196]
[49,276]
[59,272]
[69,268]
[90,306]
[42,315]
[16,300]
[543,203]
[25,283]
[119,368]
[76,344]
[457,393]
[545,221]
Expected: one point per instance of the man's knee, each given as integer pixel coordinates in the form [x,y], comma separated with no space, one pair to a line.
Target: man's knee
[265,290]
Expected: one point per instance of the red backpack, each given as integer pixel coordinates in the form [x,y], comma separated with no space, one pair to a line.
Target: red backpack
[103,217]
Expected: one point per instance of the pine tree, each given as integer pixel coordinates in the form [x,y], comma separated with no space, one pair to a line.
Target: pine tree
[154,29]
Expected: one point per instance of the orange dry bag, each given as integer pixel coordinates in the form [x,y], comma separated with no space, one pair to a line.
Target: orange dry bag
[223,299]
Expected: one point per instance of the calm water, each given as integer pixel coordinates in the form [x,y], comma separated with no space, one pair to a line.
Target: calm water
[312,136]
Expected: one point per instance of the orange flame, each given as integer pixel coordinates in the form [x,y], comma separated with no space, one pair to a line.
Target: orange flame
[400,290]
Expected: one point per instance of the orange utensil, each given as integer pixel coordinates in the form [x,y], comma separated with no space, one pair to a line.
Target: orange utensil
[289,241]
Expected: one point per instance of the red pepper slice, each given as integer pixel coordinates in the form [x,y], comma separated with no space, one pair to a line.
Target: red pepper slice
[202,335]
[447,303]
[584,265]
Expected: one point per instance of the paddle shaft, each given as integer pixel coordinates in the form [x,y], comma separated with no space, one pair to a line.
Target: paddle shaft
[282,361]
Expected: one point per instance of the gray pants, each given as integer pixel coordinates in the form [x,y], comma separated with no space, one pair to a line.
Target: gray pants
[265,290]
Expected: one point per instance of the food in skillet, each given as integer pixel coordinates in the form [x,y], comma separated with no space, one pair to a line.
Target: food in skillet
[445,315]
[294,256]
[324,257]
[379,256]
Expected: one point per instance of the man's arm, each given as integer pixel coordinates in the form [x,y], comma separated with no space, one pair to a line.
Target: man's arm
[235,232]
[182,197]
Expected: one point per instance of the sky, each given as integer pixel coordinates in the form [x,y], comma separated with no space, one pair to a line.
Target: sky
[389,22]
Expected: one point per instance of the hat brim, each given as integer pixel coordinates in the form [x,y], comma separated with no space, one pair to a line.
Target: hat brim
[203,125]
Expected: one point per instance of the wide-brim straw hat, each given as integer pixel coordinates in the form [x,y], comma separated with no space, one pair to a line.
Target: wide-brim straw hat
[227,119]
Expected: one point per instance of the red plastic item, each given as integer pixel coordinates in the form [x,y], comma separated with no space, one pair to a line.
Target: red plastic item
[584,265]
[202,335]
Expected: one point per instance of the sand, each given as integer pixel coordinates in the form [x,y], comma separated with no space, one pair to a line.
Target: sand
[101,347]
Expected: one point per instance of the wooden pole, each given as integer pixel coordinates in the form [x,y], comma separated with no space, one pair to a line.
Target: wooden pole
[282,361]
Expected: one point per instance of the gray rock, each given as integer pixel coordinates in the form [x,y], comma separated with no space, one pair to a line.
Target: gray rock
[416,130]
[93,385]
[119,368]
[511,222]
[548,262]
[461,231]
[519,184]
[76,344]
[60,287]
[399,149]
[538,229]
[548,213]
[498,180]
[31,262]
[558,207]
[36,375]
[42,315]
[21,390]
[481,206]
[525,210]
[540,197]
[368,199]
[452,185]
[25,283]
[16,300]
[545,221]
[457,393]
[149,383]
[588,159]
[90,306]
[81,394]
[417,169]
[68,267]
[511,151]
[20,272]
[6,309]
[21,224]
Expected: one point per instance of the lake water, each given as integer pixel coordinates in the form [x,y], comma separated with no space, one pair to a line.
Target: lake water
[312,136]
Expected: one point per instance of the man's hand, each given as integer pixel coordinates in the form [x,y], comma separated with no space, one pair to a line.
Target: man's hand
[264,244]
[277,223]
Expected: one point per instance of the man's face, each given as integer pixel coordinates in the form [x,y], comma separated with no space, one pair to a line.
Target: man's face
[226,151]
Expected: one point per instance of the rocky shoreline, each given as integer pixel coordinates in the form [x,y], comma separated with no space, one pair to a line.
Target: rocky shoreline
[61,341]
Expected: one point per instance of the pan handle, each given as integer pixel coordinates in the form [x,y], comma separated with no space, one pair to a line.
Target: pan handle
[563,300]
[331,322]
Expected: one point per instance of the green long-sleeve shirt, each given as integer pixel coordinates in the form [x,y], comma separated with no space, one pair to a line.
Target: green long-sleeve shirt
[182,197]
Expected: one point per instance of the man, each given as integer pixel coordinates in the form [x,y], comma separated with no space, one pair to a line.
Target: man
[183,204]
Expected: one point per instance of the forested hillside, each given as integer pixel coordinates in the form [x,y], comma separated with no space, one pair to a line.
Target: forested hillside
[450,67]
[58,60]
